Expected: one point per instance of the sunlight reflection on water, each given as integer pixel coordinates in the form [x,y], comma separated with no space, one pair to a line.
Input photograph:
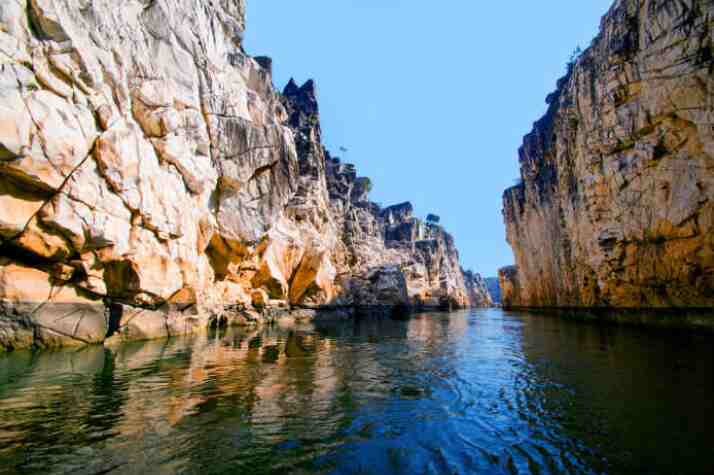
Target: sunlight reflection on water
[482,391]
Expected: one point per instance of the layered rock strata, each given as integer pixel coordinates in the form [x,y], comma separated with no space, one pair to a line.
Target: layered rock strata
[153,182]
[616,204]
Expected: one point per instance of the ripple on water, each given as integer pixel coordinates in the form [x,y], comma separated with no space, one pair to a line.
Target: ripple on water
[470,392]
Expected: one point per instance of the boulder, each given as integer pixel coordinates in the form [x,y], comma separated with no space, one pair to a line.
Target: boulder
[44,312]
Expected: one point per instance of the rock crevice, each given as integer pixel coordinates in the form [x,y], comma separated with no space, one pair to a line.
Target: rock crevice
[153,182]
[616,203]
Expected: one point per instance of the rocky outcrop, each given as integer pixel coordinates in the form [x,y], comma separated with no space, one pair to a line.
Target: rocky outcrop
[510,287]
[477,287]
[616,204]
[153,182]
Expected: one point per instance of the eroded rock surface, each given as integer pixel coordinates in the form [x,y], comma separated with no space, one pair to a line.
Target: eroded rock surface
[616,207]
[478,289]
[153,182]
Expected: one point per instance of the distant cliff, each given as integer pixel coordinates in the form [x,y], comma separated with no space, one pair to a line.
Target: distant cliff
[153,182]
[616,204]
[477,286]
[494,289]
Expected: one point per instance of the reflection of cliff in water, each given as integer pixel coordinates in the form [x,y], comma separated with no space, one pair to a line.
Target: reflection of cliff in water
[253,388]
[57,400]
[473,392]
[620,392]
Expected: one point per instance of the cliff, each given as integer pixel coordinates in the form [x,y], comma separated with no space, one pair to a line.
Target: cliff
[510,287]
[479,292]
[616,205]
[153,182]
[494,289]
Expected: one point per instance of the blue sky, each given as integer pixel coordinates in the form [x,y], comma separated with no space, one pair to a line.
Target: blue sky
[431,99]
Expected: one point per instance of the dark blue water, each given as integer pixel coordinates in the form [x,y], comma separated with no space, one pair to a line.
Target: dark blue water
[471,392]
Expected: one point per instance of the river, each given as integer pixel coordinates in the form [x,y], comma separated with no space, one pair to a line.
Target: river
[480,391]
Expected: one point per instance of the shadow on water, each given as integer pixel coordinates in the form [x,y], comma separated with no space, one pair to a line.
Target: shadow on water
[483,391]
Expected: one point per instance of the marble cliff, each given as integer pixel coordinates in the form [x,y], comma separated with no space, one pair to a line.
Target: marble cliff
[616,204]
[153,182]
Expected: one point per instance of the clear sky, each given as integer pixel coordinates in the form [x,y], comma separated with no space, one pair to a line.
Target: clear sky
[431,99]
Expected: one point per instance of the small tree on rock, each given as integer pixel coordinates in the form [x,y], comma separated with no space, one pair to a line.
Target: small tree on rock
[365,182]
[433,219]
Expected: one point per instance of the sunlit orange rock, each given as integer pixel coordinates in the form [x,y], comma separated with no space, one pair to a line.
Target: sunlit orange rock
[615,204]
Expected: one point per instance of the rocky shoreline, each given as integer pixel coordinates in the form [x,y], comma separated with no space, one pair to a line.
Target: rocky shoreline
[690,320]
[153,182]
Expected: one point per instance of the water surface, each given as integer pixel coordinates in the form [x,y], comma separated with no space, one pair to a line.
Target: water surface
[483,391]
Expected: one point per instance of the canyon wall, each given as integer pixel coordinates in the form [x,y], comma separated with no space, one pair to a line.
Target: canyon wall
[479,293]
[616,204]
[153,182]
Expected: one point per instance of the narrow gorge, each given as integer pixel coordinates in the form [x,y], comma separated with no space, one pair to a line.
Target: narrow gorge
[615,206]
[153,182]
[191,282]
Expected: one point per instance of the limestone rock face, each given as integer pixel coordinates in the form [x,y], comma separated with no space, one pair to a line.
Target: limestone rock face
[478,290]
[378,256]
[153,181]
[510,287]
[375,239]
[616,207]
[38,310]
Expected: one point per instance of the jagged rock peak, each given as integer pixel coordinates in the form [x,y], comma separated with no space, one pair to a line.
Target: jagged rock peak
[291,88]
[309,88]
[301,104]
[305,94]
[149,172]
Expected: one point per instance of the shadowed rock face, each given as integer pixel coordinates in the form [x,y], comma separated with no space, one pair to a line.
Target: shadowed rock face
[494,289]
[510,286]
[152,181]
[616,207]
